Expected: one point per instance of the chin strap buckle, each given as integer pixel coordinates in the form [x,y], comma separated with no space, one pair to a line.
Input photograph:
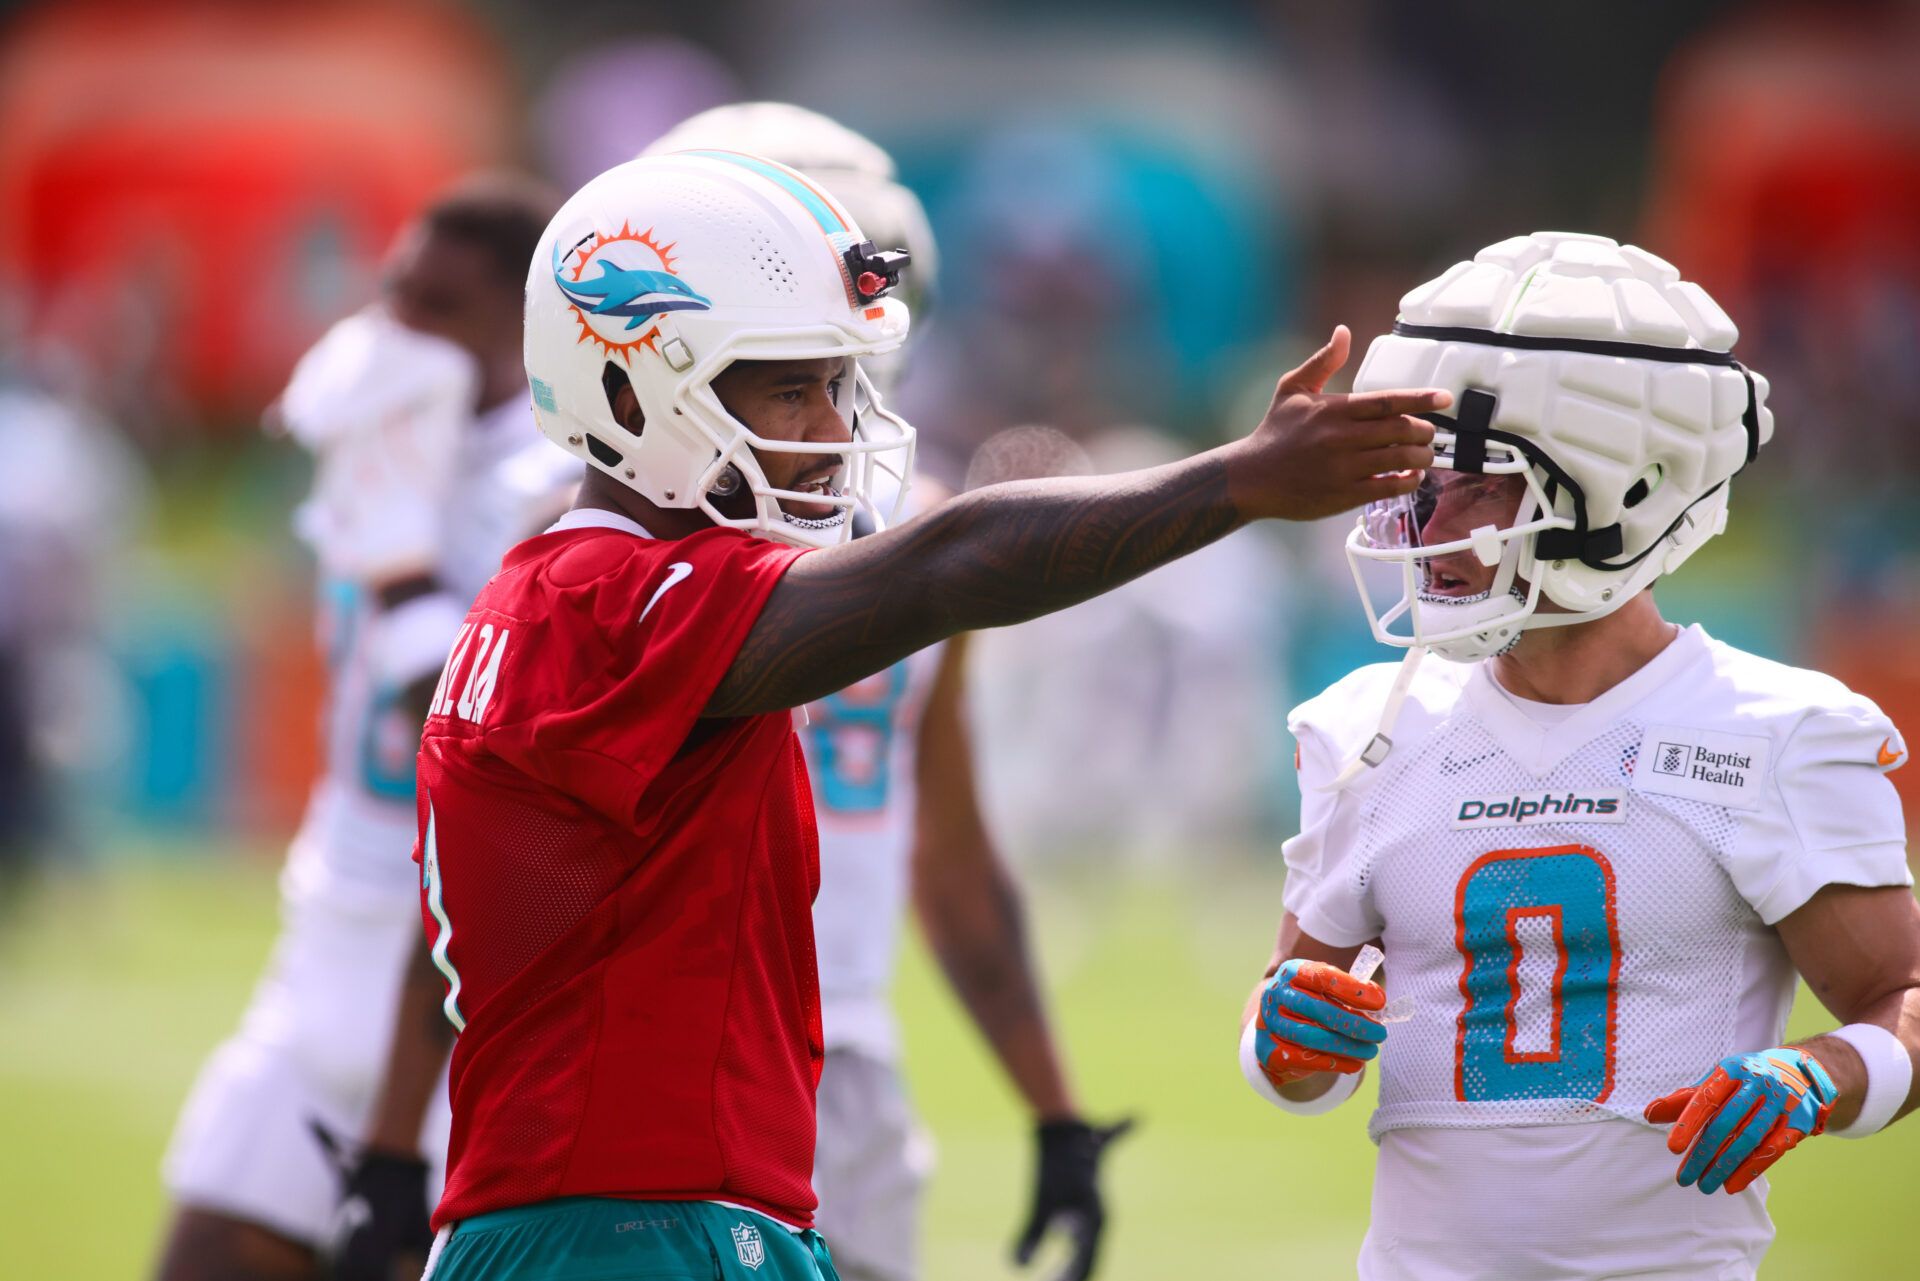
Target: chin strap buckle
[1380,746]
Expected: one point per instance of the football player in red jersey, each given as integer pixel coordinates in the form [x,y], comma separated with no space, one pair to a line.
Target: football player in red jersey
[899,821]
[616,835]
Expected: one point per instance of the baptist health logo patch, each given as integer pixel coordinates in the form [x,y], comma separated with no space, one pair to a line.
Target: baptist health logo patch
[1541,807]
[748,1245]
[1703,765]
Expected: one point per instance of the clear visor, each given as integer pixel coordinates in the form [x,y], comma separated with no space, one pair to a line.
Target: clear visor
[1449,508]
[1453,560]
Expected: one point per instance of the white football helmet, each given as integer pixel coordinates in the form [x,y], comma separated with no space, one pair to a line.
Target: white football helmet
[1605,387]
[857,170]
[666,270]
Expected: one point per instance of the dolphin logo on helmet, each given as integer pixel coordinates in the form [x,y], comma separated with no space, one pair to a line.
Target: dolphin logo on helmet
[634,293]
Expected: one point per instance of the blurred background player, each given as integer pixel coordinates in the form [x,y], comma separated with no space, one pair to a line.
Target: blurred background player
[427,467]
[1596,847]
[891,763]
[62,702]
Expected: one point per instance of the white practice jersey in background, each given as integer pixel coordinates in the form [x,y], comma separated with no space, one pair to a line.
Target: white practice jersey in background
[860,746]
[1582,907]
[406,480]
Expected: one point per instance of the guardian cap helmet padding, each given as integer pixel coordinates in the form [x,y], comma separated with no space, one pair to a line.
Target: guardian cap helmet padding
[666,270]
[1593,371]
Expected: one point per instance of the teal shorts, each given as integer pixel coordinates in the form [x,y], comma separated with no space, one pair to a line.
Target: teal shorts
[601,1239]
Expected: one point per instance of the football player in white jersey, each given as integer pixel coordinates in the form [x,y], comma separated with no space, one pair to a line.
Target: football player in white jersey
[899,819]
[1595,847]
[428,466]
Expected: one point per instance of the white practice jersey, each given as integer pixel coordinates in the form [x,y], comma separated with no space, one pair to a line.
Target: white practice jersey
[406,480]
[860,747]
[1581,909]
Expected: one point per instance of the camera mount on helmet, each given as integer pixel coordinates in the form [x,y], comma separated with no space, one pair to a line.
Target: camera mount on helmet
[874,272]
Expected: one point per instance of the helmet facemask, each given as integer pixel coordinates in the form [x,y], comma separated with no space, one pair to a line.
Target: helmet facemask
[871,480]
[1455,560]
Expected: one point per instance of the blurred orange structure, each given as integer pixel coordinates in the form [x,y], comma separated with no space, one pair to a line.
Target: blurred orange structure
[1792,140]
[190,192]
[1788,179]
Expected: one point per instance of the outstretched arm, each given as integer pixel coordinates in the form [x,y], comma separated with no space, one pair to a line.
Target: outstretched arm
[1007,553]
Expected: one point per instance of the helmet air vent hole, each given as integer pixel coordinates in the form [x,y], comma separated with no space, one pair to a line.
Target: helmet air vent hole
[606,455]
[612,380]
[1643,488]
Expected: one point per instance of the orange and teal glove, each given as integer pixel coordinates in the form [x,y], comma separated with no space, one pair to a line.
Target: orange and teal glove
[1744,1115]
[1313,1018]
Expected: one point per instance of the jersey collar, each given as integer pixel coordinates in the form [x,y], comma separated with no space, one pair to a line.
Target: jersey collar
[1541,748]
[598,518]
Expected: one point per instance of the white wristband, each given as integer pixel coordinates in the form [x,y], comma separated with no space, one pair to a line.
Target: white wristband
[1889,1077]
[1339,1092]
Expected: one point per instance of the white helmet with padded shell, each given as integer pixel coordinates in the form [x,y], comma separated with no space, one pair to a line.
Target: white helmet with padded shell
[1590,369]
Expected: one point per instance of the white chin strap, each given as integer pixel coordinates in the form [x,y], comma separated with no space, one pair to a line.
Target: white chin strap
[1378,748]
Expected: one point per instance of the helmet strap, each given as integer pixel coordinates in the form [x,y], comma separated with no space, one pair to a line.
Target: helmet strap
[1380,746]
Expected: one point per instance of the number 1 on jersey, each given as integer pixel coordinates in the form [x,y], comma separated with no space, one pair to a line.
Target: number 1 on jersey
[1569,890]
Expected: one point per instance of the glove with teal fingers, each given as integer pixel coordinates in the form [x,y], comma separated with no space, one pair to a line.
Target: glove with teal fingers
[1313,1018]
[1744,1115]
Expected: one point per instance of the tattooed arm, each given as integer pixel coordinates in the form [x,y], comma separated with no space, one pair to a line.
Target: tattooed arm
[1011,552]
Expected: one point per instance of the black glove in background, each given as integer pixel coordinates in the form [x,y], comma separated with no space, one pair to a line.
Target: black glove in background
[380,1229]
[1066,1192]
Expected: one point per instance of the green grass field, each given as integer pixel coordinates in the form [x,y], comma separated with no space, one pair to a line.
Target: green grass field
[114,985]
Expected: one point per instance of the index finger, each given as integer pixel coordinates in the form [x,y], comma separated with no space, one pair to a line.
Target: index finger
[1383,433]
[1706,1102]
[1385,404]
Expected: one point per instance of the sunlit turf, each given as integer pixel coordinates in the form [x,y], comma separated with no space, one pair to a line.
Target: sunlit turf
[113,985]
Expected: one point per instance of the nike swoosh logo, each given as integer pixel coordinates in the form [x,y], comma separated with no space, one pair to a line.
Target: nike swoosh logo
[676,572]
[1886,757]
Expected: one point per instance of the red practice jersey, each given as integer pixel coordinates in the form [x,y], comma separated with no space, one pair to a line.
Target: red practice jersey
[619,892]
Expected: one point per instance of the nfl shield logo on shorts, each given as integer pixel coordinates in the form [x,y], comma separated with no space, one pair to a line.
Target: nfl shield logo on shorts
[748,1245]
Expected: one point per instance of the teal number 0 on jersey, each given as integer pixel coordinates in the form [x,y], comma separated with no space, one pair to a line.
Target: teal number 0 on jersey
[1569,888]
